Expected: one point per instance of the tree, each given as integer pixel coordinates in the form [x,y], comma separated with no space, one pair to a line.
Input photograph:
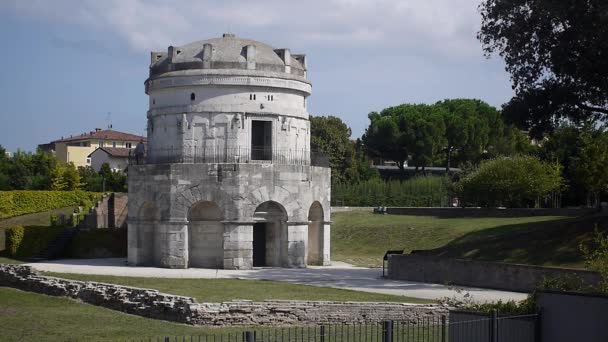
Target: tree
[4,168]
[407,131]
[469,124]
[57,179]
[71,177]
[591,164]
[332,136]
[387,136]
[91,180]
[556,54]
[519,181]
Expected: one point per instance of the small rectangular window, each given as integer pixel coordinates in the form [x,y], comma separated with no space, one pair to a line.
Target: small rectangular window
[113,143]
[128,145]
[100,143]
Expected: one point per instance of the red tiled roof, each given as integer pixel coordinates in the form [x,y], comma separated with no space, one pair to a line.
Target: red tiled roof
[106,134]
[114,151]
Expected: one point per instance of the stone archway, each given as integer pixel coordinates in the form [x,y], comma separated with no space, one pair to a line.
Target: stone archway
[205,235]
[314,250]
[270,235]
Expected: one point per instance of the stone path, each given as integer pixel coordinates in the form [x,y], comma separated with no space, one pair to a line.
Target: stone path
[339,275]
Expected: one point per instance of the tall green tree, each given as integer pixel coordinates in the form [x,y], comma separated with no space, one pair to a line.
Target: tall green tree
[71,177]
[556,54]
[469,125]
[331,135]
[591,164]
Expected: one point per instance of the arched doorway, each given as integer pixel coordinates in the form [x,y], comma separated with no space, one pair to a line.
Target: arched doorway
[205,235]
[269,235]
[314,250]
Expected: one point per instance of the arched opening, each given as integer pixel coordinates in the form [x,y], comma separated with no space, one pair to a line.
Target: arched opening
[269,235]
[148,241]
[192,97]
[315,235]
[205,235]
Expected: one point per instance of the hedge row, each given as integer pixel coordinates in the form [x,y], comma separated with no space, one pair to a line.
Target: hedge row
[20,202]
[423,191]
[23,242]
[99,243]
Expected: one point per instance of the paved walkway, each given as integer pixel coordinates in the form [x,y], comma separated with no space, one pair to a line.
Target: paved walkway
[339,275]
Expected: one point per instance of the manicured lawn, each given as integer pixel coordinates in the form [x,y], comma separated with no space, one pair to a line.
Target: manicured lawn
[36,219]
[361,238]
[221,290]
[4,260]
[27,316]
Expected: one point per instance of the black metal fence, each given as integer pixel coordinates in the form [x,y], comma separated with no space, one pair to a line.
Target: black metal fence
[459,327]
[230,155]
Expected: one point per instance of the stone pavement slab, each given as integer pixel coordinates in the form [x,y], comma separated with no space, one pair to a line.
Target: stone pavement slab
[338,275]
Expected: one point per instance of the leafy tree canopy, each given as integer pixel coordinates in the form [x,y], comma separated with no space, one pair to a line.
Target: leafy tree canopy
[556,54]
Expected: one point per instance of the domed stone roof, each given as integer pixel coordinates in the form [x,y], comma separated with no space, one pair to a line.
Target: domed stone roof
[227,52]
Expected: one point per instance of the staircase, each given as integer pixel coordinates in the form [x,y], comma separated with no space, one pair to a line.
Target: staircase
[55,249]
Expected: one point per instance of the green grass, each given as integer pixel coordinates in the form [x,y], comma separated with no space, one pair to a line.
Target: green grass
[362,238]
[221,290]
[5,260]
[36,219]
[29,316]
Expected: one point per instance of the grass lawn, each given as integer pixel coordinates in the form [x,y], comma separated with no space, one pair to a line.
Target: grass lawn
[362,238]
[27,316]
[36,219]
[5,260]
[221,290]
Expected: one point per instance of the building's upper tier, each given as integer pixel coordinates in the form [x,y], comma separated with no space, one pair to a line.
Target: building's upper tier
[228,52]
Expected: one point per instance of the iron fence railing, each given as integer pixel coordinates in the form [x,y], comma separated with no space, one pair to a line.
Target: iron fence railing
[198,155]
[469,327]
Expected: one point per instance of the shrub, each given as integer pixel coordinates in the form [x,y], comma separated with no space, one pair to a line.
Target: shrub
[596,258]
[20,202]
[23,242]
[14,236]
[423,191]
[520,181]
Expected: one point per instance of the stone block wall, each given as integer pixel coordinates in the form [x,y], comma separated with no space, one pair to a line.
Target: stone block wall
[157,305]
[166,198]
[495,275]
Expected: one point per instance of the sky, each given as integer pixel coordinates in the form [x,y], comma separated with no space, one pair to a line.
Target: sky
[68,67]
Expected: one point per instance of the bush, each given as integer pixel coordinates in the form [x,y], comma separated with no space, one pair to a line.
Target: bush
[14,236]
[20,202]
[521,181]
[24,242]
[423,191]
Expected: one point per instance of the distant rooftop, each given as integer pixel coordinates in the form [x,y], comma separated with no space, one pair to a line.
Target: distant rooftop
[102,134]
[114,151]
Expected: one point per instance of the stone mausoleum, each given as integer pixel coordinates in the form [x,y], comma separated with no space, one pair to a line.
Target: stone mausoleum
[228,179]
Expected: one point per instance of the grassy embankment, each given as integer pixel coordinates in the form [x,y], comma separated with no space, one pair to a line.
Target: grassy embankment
[362,238]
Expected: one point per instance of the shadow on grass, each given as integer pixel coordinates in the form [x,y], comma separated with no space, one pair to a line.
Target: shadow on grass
[547,243]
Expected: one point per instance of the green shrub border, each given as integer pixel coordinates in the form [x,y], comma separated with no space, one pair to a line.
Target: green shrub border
[21,202]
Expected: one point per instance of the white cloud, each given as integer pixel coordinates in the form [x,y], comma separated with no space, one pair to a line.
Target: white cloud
[436,26]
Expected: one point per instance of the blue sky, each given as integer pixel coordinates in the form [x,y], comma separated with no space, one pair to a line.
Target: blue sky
[69,66]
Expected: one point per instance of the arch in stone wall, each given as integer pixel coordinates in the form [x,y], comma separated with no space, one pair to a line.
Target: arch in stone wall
[205,235]
[314,250]
[270,238]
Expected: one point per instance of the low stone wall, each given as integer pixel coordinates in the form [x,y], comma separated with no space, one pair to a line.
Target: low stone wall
[490,212]
[157,305]
[495,275]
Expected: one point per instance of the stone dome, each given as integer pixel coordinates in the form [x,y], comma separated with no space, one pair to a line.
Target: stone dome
[227,52]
